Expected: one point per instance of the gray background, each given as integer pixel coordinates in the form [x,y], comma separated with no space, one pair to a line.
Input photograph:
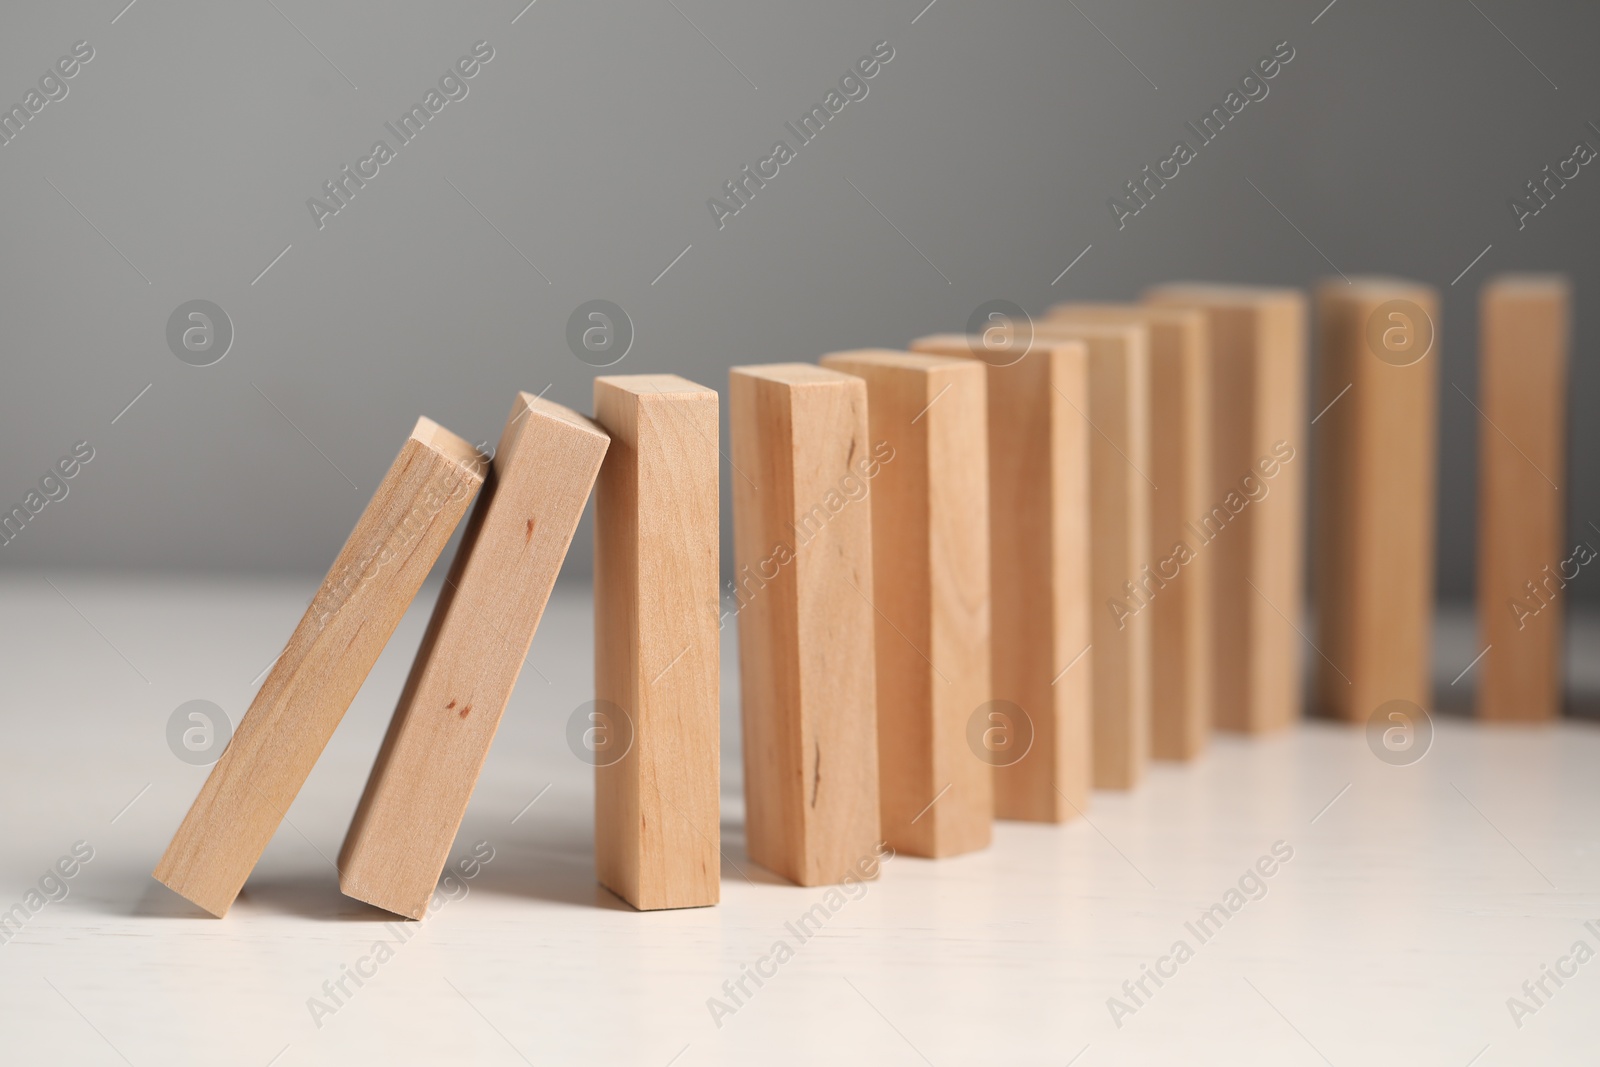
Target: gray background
[592,141]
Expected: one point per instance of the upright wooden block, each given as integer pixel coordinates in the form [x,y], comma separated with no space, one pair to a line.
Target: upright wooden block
[803,548]
[1524,563]
[1039,574]
[1252,525]
[373,580]
[470,657]
[930,585]
[657,825]
[1376,479]
[1119,543]
[1174,585]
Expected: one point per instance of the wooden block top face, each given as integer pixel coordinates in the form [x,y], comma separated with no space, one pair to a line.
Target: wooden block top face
[436,438]
[471,656]
[930,375]
[1152,314]
[549,409]
[969,347]
[1373,289]
[1218,297]
[647,384]
[1544,286]
[790,373]
[1055,329]
[887,360]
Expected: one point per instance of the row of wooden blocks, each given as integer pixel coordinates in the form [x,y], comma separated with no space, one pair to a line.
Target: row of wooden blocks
[973,580]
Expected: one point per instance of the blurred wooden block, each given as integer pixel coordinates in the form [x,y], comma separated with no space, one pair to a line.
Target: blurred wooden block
[803,553]
[1039,576]
[930,585]
[1174,585]
[1251,526]
[1376,480]
[373,580]
[1524,564]
[1119,542]
[470,657]
[658,829]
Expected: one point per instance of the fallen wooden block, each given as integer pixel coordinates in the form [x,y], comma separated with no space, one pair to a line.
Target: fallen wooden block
[378,572]
[1174,585]
[803,553]
[1252,523]
[1376,480]
[657,819]
[1037,735]
[470,657]
[1524,564]
[930,585]
[1119,542]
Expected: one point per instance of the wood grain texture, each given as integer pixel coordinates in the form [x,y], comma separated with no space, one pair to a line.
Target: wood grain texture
[930,586]
[1376,479]
[470,656]
[393,546]
[1174,585]
[1252,527]
[1524,562]
[1039,575]
[1119,543]
[803,553]
[657,824]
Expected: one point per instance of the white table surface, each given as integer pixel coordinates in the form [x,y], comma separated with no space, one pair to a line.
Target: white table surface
[1413,906]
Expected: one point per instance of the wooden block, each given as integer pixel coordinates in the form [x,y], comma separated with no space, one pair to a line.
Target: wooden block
[803,550]
[657,819]
[930,585]
[373,580]
[1524,563]
[1119,543]
[470,656]
[1376,479]
[1252,523]
[1039,575]
[1174,585]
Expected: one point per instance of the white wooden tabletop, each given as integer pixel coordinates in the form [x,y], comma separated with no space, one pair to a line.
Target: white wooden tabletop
[1405,908]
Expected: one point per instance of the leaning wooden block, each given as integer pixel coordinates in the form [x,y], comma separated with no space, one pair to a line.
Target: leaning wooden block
[930,585]
[1251,526]
[657,827]
[1037,732]
[1174,585]
[1377,350]
[378,572]
[1119,544]
[1524,563]
[470,657]
[803,551]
